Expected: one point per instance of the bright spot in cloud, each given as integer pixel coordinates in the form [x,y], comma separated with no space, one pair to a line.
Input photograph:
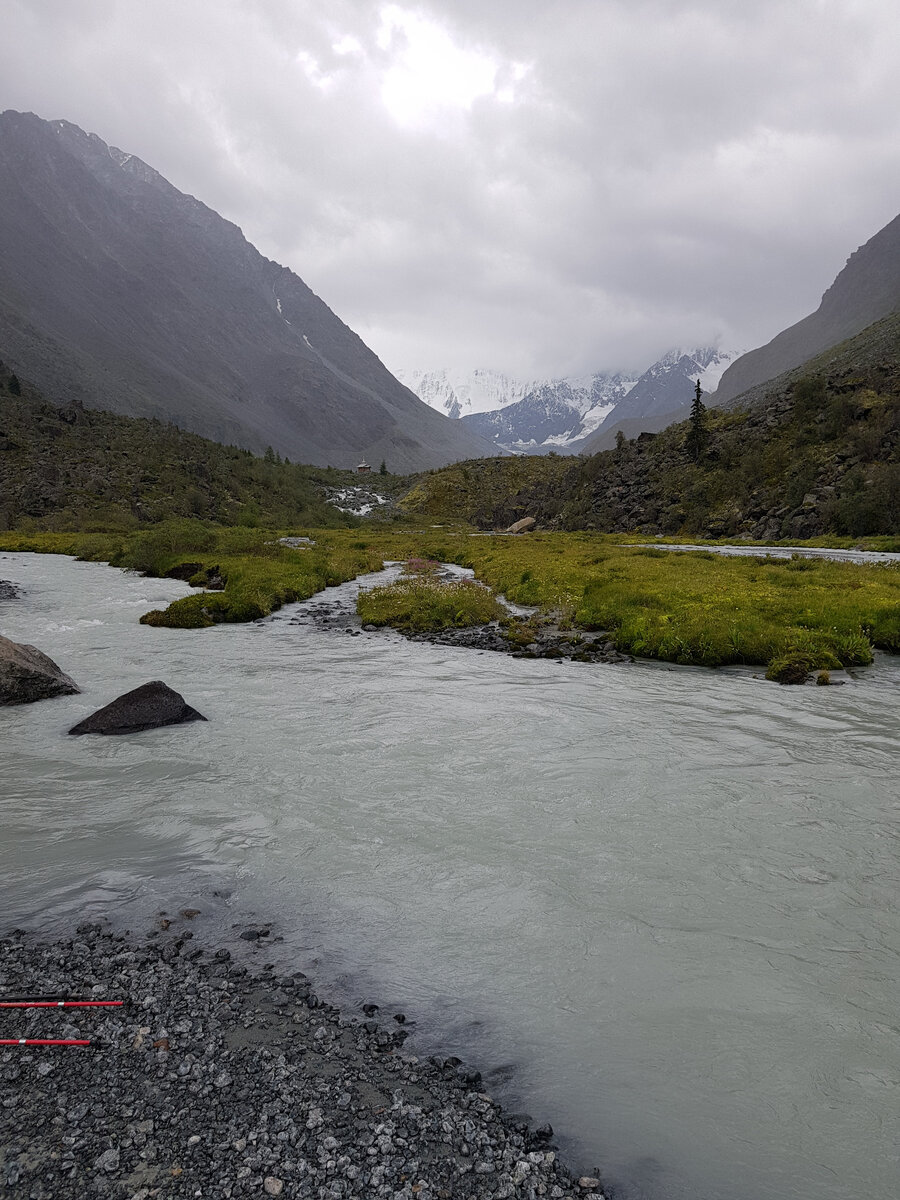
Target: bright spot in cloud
[313,71]
[516,73]
[347,45]
[429,75]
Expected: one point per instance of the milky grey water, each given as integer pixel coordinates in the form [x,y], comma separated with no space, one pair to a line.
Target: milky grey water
[667,897]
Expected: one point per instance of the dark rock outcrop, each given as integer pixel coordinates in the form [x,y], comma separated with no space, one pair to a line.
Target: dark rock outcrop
[149,706]
[8,591]
[27,675]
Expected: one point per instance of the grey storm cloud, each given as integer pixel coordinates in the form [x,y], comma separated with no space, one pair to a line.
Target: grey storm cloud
[543,187]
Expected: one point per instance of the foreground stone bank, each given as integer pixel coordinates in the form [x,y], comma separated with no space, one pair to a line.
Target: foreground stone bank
[212,1081]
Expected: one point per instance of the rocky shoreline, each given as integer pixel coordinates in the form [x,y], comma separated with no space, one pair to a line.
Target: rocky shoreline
[217,1080]
[524,635]
[530,639]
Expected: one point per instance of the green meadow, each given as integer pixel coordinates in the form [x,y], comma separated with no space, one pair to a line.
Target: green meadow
[791,616]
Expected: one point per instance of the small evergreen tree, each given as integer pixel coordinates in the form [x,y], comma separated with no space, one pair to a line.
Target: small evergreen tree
[621,440]
[14,386]
[382,470]
[269,455]
[697,437]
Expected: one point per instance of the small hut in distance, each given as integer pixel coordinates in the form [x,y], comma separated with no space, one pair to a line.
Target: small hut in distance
[363,468]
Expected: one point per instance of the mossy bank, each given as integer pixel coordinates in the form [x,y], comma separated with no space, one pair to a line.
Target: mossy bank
[791,616]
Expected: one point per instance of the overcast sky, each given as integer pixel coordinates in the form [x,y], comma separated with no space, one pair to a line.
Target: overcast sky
[540,186]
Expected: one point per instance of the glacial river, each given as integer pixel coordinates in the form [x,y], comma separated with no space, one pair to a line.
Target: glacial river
[657,906]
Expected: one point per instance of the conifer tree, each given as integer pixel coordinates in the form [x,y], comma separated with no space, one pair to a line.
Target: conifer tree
[697,437]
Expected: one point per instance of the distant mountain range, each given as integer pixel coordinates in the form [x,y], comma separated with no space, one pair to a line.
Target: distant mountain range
[568,416]
[457,393]
[122,293]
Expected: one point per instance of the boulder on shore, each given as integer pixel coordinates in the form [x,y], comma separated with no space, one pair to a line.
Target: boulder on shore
[146,707]
[522,526]
[27,675]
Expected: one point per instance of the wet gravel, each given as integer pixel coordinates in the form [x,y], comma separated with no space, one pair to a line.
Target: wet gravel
[548,640]
[216,1081]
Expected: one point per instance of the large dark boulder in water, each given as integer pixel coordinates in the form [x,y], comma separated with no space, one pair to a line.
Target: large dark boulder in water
[147,707]
[27,675]
[8,591]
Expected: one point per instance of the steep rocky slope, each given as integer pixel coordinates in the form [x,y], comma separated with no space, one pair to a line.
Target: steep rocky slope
[867,289]
[121,292]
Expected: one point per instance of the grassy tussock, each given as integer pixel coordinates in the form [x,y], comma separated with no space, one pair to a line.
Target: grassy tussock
[424,603]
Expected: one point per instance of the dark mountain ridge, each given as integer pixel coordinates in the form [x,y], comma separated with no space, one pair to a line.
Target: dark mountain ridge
[546,413]
[867,289]
[121,292]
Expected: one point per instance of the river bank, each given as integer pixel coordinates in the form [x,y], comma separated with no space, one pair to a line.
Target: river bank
[700,607]
[215,1079]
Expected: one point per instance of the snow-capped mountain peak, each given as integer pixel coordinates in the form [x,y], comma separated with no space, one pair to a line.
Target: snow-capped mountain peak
[536,416]
[457,393]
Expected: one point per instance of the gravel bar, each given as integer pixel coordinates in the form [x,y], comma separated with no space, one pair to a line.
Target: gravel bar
[216,1081]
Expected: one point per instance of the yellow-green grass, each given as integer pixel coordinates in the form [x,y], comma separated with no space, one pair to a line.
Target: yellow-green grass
[694,607]
[425,603]
[260,574]
[703,608]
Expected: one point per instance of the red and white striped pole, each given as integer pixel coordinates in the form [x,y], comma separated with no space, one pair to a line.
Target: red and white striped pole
[43,1042]
[53,1002]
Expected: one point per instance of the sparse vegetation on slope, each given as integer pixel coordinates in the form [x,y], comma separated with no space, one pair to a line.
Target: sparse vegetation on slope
[77,468]
[493,492]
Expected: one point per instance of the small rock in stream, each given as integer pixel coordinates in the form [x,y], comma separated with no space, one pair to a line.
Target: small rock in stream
[149,706]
